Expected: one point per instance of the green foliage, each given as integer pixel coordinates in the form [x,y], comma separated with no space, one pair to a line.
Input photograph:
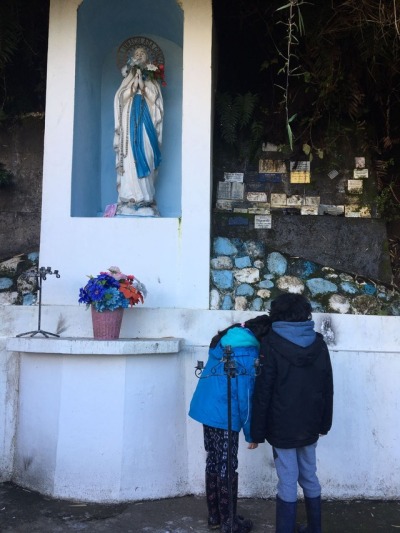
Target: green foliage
[238,128]
[23,46]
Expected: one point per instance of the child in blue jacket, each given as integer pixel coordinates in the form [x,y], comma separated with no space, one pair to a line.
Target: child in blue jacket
[209,406]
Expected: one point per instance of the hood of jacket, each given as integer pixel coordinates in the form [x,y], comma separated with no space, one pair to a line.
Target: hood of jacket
[296,341]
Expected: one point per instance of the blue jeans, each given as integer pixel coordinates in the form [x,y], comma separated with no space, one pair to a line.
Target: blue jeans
[297,465]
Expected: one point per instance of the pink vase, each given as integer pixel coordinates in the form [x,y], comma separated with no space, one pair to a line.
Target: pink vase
[107,324]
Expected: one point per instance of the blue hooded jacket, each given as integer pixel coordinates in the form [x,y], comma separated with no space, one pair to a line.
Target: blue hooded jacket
[209,404]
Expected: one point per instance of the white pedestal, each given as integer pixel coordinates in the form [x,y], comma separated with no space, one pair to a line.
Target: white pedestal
[101,420]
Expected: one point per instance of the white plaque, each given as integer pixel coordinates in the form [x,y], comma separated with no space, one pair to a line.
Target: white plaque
[234,176]
[237,191]
[365,212]
[224,205]
[309,210]
[360,174]
[300,166]
[262,222]
[272,166]
[259,210]
[257,196]
[334,210]
[294,201]
[355,186]
[352,211]
[333,173]
[359,162]
[224,190]
[312,200]
[278,200]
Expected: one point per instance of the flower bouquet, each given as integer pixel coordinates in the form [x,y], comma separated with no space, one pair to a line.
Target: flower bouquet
[112,290]
[150,71]
[108,294]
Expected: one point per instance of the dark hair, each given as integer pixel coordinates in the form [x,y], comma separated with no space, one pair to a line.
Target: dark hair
[290,308]
[259,326]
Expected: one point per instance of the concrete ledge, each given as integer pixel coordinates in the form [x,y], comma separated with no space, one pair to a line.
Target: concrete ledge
[86,346]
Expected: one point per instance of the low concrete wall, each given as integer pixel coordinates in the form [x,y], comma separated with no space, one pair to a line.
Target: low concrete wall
[360,457]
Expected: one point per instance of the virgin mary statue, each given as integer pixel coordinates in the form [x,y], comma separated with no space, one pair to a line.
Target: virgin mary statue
[138,114]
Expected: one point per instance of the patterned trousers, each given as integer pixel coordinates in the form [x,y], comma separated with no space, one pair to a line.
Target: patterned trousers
[216,446]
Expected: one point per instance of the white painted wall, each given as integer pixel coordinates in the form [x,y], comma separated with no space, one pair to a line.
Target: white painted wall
[360,457]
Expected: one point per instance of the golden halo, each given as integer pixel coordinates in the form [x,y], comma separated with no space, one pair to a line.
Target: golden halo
[128,47]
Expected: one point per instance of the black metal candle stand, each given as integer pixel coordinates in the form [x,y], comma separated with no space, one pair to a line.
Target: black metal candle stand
[231,370]
[41,275]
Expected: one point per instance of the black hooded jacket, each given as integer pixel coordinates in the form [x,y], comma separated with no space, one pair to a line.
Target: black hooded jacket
[293,395]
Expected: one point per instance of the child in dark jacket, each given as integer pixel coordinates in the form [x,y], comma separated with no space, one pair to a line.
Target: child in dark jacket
[292,406]
[209,406]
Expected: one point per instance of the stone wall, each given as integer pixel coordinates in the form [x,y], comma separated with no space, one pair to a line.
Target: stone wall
[20,204]
[247,275]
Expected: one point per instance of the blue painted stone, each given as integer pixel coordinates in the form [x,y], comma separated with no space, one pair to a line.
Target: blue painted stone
[242,262]
[272,177]
[269,276]
[33,256]
[28,299]
[266,284]
[244,290]
[317,307]
[276,263]
[349,287]
[5,283]
[223,279]
[320,286]
[257,304]
[238,221]
[227,303]
[223,246]
[369,288]
[309,268]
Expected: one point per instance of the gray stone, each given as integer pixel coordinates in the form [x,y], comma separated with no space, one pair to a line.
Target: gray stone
[215,299]
[255,249]
[222,262]
[339,304]
[264,293]
[290,284]
[247,275]
[240,303]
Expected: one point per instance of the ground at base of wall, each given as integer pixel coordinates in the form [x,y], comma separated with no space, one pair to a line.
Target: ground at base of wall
[23,511]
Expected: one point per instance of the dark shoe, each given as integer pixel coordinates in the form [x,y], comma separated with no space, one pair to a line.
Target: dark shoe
[214,519]
[313,512]
[238,525]
[285,516]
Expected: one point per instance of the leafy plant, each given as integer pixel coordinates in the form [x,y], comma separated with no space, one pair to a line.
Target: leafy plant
[238,127]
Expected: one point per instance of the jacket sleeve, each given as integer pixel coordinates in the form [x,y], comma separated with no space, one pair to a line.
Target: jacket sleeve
[262,397]
[326,422]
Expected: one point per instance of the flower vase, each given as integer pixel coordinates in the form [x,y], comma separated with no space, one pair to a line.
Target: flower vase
[107,324]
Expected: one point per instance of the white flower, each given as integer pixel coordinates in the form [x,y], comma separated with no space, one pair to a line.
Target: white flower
[152,67]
